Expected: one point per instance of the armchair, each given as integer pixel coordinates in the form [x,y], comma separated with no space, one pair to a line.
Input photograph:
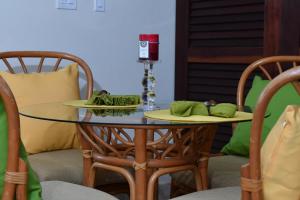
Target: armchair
[252,183]
[223,171]
[65,164]
[16,173]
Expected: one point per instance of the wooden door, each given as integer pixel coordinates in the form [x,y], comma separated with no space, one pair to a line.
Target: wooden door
[217,39]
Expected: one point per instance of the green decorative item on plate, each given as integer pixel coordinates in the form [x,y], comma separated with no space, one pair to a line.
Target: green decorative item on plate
[104,98]
[189,108]
[112,112]
[226,110]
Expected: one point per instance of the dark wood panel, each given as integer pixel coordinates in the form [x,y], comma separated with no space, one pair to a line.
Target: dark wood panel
[245,17]
[238,26]
[227,35]
[205,97]
[224,3]
[217,66]
[181,47]
[233,42]
[282,30]
[216,74]
[212,82]
[223,59]
[228,10]
[210,89]
[223,37]
[224,51]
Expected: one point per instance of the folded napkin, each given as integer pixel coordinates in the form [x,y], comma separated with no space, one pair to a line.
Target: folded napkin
[99,98]
[112,112]
[188,108]
[226,110]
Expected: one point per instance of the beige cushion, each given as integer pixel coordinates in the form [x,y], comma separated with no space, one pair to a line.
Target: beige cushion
[57,190]
[228,193]
[36,88]
[223,171]
[67,165]
[280,158]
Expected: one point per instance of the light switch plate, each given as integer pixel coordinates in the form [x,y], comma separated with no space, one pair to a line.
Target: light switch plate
[99,5]
[66,4]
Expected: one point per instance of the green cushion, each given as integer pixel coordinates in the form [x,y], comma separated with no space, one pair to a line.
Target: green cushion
[287,95]
[33,187]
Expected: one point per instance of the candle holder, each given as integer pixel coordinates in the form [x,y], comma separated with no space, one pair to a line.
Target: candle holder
[148,82]
[148,55]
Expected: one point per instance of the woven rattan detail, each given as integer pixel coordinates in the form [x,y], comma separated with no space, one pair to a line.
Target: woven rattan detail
[138,166]
[87,153]
[251,185]
[16,177]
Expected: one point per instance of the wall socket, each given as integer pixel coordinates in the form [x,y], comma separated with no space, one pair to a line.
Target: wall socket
[99,5]
[66,4]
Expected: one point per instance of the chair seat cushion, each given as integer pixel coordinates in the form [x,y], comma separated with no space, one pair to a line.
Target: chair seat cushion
[58,190]
[66,165]
[223,171]
[227,193]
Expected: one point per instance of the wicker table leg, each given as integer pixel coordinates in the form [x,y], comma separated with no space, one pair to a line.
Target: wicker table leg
[87,159]
[140,164]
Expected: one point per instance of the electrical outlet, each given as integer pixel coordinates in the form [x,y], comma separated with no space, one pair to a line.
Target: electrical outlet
[66,4]
[99,5]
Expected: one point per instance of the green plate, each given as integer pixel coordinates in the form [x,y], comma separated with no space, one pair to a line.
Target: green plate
[82,104]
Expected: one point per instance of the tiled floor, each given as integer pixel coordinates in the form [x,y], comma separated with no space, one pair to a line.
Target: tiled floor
[164,189]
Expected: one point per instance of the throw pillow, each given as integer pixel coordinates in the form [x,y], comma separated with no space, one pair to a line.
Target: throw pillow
[33,184]
[36,88]
[287,95]
[279,158]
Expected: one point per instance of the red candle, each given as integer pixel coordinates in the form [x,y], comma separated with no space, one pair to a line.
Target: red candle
[148,46]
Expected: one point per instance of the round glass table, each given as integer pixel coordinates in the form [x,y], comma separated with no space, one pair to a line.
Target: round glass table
[119,139]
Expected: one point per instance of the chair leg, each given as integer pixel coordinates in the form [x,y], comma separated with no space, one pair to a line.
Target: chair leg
[92,174]
[198,179]
[203,170]
[22,188]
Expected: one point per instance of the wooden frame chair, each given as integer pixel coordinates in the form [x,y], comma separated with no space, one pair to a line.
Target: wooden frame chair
[269,68]
[43,61]
[16,175]
[251,182]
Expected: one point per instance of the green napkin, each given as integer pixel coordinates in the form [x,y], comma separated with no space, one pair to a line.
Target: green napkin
[199,109]
[181,108]
[226,110]
[115,100]
[112,112]
[188,108]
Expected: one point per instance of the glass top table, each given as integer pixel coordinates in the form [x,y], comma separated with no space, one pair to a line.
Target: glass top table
[57,111]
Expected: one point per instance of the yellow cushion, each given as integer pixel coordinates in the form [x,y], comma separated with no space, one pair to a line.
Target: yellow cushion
[280,158]
[35,88]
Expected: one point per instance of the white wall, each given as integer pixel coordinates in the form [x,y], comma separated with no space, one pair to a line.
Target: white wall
[106,40]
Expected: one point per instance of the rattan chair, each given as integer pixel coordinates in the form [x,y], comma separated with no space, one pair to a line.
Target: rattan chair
[224,171]
[15,181]
[251,181]
[70,167]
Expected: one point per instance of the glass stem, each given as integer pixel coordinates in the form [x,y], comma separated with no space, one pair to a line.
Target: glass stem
[149,83]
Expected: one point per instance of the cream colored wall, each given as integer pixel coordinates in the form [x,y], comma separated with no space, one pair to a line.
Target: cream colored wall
[106,40]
